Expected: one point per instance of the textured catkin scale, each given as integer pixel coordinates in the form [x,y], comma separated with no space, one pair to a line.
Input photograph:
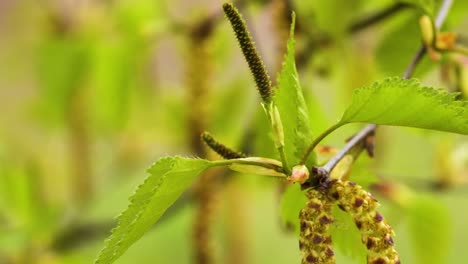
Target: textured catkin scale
[246,43]
[198,82]
[221,149]
[376,233]
[315,219]
[199,73]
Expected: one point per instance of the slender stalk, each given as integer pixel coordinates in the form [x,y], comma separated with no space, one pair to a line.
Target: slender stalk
[249,161]
[316,141]
[460,49]
[414,62]
[284,160]
[443,12]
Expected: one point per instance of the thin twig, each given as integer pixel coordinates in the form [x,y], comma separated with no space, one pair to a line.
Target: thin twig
[377,17]
[359,137]
[443,12]
[317,40]
[370,129]
[414,62]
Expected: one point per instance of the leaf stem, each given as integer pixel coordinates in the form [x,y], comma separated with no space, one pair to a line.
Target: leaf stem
[377,17]
[249,161]
[284,161]
[461,50]
[317,140]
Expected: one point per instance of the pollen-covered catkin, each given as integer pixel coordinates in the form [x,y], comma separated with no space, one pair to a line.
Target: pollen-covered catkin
[376,233]
[315,220]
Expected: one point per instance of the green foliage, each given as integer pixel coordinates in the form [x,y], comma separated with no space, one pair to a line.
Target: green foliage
[292,201]
[112,75]
[347,237]
[61,67]
[391,58]
[297,133]
[429,229]
[168,178]
[292,107]
[232,110]
[427,6]
[324,13]
[399,102]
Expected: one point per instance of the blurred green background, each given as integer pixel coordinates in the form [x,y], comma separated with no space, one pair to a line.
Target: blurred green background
[93,92]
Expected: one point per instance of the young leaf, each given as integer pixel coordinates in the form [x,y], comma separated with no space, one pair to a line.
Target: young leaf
[400,102]
[168,178]
[292,107]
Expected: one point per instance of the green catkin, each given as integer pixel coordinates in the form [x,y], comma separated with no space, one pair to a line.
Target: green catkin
[221,149]
[258,69]
[376,233]
[315,220]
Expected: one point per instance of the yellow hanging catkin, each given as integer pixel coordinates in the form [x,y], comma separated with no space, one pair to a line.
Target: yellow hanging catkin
[376,233]
[315,220]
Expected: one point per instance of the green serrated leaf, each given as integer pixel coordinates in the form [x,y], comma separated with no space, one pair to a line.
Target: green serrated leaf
[429,230]
[400,102]
[292,201]
[168,178]
[292,107]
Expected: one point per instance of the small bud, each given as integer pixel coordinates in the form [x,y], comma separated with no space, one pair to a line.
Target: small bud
[446,40]
[427,30]
[429,36]
[369,145]
[300,174]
